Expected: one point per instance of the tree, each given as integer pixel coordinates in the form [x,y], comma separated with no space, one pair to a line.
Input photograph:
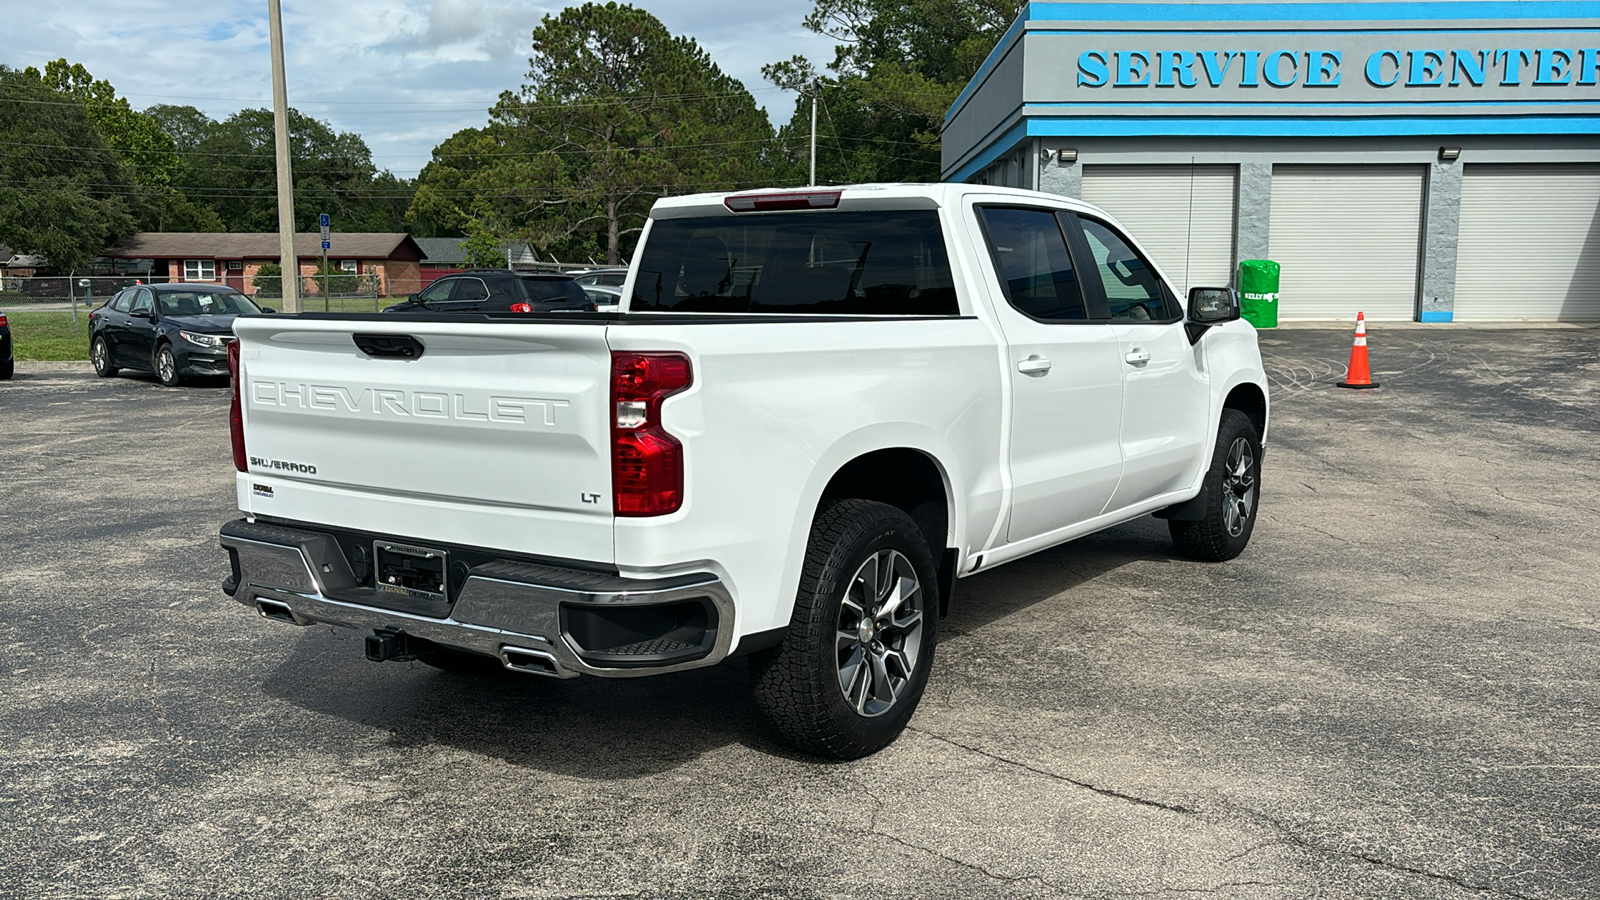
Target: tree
[615,112]
[232,166]
[63,193]
[899,66]
[148,152]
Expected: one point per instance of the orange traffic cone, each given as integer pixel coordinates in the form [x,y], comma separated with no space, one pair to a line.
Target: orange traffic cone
[1359,376]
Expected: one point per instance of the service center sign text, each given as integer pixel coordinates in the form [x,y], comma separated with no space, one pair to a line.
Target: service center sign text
[1322,67]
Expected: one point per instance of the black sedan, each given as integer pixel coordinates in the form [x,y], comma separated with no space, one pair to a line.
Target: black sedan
[174,330]
[8,362]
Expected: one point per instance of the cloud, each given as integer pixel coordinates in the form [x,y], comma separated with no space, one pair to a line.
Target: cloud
[404,74]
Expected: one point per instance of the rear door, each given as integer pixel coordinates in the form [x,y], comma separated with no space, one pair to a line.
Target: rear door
[496,435]
[1065,375]
[1166,388]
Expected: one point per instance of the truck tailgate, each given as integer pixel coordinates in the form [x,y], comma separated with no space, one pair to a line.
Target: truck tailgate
[495,435]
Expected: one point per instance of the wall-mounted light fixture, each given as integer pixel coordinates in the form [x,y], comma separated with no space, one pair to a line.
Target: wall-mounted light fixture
[1448,154]
[1066,156]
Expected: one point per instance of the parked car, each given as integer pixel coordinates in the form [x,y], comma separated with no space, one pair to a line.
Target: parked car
[821,409]
[602,277]
[175,330]
[8,363]
[604,297]
[498,291]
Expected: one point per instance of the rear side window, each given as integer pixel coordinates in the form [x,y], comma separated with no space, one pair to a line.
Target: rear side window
[122,301]
[538,290]
[842,263]
[1031,253]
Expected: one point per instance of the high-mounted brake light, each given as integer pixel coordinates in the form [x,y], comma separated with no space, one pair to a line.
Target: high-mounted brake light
[783,201]
[646,461]
[236,411]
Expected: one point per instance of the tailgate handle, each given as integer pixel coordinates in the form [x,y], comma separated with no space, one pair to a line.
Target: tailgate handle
[396,346]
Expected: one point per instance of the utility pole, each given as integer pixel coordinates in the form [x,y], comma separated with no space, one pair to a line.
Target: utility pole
[813,182]
[288,261]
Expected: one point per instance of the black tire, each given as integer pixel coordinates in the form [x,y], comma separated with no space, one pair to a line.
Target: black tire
[7,369]
[165,365]
[854,605]
[100,356]
[461,662]
[1232,493]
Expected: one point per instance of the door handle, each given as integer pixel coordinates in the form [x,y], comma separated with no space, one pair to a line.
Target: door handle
[1137,357]
[1034,365]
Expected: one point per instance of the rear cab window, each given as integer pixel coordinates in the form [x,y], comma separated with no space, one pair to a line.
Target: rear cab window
[877,262]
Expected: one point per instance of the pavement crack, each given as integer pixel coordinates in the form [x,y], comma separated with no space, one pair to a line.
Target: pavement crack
[1103,791]
[873,828]
[1293,839]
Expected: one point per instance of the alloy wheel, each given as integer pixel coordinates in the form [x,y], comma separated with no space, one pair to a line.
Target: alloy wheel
[879,635]
[1238,486]
[166,366]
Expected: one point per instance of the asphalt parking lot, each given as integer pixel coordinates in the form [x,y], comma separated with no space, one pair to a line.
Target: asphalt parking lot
[1395,692]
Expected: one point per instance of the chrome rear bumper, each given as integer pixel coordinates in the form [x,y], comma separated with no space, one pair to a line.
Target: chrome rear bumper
[506,609]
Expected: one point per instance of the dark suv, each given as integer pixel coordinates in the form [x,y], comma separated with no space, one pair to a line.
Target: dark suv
[7,363]
[498,290]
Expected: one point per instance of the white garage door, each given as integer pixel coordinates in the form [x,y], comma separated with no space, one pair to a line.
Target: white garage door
[1347,238]
[1530,243]
[1154,203]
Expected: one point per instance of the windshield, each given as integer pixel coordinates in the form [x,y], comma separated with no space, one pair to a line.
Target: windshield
[204,303]
[890,262]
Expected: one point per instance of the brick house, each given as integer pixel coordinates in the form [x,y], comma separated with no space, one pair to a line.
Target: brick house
[391,259]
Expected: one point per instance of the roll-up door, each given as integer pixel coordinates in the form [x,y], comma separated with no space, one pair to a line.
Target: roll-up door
[1348,239]
[1529,246]
[1154,202]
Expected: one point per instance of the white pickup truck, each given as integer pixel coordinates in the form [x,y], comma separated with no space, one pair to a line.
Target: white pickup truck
[814,412]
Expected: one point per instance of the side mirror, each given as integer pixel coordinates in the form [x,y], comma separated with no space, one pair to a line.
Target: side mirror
[268,309]
[1212,305]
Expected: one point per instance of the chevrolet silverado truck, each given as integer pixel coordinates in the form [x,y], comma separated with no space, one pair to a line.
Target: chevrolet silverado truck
[815,411]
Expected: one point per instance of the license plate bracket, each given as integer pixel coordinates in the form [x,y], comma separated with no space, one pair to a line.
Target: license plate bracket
[406,570]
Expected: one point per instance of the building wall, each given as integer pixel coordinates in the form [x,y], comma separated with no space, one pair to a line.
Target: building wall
[1265,86]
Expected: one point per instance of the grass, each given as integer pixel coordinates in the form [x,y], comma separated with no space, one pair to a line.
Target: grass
[48,334]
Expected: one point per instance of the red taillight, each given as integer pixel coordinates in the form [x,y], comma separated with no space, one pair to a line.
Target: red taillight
[785,200]
[522,307]
[3,319]
[646,461]
[236,411]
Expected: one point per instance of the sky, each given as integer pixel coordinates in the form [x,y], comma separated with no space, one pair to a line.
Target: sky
[403,74]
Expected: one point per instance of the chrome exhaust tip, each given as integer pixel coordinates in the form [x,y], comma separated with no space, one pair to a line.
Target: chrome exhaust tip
[275,610]
[537,662]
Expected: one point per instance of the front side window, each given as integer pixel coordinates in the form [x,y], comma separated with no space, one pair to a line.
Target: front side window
[143,303]
[890,262]
[199,269]
[1133,290]
[439,291]
[1030,253]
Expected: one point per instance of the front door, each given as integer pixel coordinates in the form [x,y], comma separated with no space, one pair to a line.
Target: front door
[139,338]
[1166,387]
[1064,368]
[234,276]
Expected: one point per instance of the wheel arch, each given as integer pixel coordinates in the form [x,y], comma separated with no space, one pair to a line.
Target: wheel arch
[913,481]
[1250,399]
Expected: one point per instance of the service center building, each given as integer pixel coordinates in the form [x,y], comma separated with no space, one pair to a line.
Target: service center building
[1428,161]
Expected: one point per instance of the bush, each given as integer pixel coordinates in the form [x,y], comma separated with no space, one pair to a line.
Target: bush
[269,280]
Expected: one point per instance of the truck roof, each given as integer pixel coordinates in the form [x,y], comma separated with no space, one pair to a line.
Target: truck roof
[851,196]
